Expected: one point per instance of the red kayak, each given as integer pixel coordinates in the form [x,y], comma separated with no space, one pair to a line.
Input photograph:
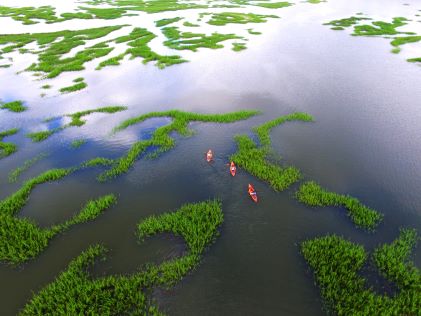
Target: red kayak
[252,193]
[233,168]
[209,156]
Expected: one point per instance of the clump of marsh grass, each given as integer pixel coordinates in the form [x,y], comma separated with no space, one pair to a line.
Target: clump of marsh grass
[164,22]
[379,28]
[161,137]
[14,174]
[77,143]
[21,239]
[253,159]
[14,106]
[192,41]
[73,88]
[76,290]
[336,263]
[312,194]
[76,120]
[225,18]
[6,149]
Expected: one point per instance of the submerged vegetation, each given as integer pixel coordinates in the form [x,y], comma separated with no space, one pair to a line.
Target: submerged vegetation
[77,143]
[14,106]
[336,263]
[6,149]
[161,137]
[312,194]
[76,120]
[14,174]
[75,290]
[21,239]
[255,159]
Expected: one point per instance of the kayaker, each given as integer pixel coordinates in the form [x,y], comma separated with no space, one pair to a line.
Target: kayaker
[209,155]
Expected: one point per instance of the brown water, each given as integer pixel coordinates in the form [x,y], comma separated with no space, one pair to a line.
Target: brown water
[365,141]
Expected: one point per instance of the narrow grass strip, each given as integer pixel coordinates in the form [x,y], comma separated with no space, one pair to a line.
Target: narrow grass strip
[310,193]
[21,239]
[14,174]
[160,138]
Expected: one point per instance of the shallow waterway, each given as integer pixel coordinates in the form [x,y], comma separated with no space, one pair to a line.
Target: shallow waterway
[365,141]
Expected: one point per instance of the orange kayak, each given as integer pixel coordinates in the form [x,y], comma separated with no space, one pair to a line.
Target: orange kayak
[233,168]
[209,155]
[252,193]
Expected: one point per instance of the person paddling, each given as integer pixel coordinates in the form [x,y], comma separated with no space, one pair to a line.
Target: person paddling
[233,168]
[252,193]
[209,156]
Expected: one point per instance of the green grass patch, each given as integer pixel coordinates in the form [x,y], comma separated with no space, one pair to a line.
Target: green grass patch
[337,262]
[73,88]
[188,24]
[21,239]
[14,174]
[236,47]
[274,5]
[46,86]
[254,159]
[379,28]
[192,41]
[250,31]
[79,79]
[225,18]
[76,290]
[6,149]
[312,194]
[76,120]
[57,44]
[414,60]
[164,22]
[14,106]
[138,41]
[77,143]
[161,137]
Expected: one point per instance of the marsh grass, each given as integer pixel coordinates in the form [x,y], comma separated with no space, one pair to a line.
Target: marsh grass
[236,47]
[76,120]
[274,5]
[77,143]
[137,41]
[21,239]
[6,149]
[337,263]
[14,106]
[192,41]
[379,28]
[14,174]
[254,159]
[76,290]
[164,22]
[312,194]
[73,88]
[56,45]
[225,18]
[161,137]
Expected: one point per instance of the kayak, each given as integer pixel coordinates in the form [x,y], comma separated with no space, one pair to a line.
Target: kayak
[252,193]
[209,155]
[233,168]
